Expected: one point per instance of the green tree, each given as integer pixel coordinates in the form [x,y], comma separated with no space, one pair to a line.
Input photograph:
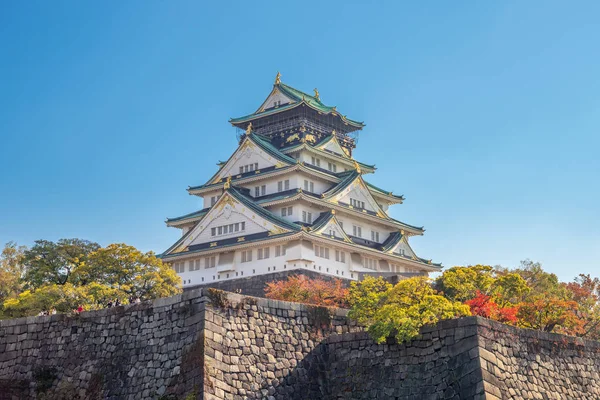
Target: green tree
[48,262]
[73,273]
[402,310]
[463,283]
[130,271]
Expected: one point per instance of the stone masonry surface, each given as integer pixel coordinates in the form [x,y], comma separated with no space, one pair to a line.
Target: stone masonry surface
[208,344]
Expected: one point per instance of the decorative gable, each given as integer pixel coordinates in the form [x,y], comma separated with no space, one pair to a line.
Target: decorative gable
[332,229]
[249,157]
[274,100]
[227,220]
[358,196]
[402,248]
[332,145]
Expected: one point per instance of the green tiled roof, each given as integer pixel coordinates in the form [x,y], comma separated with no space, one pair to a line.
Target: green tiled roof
[195,214]
[322,220]
[262,143]
[347,178]
[247,201]
[298,97]
[378,189]
[266,145]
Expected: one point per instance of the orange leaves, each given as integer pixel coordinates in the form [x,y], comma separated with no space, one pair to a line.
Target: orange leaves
[483,306]
[301,289]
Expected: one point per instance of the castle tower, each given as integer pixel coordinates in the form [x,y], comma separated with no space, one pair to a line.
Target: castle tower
[292,197]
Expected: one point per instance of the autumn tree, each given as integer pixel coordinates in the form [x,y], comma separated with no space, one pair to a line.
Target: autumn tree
[11,270]
[74,272]
[300,289]
[484,306]
[402,310]
[585,291]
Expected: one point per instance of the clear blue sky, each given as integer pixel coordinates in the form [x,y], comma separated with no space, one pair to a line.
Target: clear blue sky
[485,115]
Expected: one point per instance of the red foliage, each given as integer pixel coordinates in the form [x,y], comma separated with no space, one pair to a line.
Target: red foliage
[483,306]
[301,289]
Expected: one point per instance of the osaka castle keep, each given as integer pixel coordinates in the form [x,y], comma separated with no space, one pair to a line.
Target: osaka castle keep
[292,197]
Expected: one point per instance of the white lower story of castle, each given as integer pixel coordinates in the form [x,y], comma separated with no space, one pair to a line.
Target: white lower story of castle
[290,256]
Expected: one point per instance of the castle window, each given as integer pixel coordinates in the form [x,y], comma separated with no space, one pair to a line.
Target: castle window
[340,256]
[332,167]
[279,251]
[306,217]
[179,267]
[263,190]
[356,231]
[375,236]
[370,263]
[316,161]
[309,186]
[263,253]
[357,204]
[242,169]
[227,229]
[210,262]
[321,251]
[256,191]
[194,265]
[246,256]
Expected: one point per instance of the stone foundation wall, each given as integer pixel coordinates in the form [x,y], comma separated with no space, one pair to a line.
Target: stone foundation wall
[131,352]
[208,344]
[525,364]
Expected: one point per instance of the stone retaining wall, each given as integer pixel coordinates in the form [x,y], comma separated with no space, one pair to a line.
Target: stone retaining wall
[208,344]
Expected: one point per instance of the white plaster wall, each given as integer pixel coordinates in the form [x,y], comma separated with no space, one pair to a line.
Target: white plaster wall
[249,155]
[253,225]
[347,222]
[299,255]
[307,156]
[206,196]
[275,97]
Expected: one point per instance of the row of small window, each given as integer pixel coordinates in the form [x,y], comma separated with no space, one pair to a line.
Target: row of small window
[317,162]
[227,229]
[357,232]
[248,168]
[283,185]
[263,253]
[370,263]
[285,211]
[357,203]
[194,265]
[397,268]
[323,252]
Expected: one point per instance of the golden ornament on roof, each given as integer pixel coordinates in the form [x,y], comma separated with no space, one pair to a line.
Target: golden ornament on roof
[357,167]
[249,128]
[310,138]
[278,78]
[227,184]
[316,94]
